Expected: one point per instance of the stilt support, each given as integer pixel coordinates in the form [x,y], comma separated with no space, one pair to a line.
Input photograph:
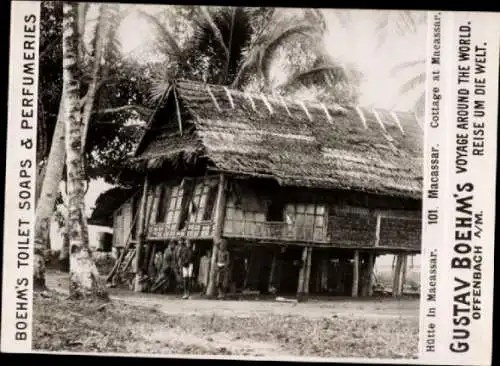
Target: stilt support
[355,275]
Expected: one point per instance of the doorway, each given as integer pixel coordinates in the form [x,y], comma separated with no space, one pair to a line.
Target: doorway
[288,268]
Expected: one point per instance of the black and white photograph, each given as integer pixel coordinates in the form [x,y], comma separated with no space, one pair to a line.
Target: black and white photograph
[250,183]
[237,181]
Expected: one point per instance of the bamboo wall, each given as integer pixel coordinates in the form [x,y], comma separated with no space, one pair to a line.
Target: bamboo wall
[326,221]
[186,208]
[122,222]
[366,228]
[247,216]
[182,208]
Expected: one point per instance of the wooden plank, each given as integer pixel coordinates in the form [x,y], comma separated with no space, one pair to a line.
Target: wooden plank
[272,272]
[127,244]
[397,276]
[308,270]
[140,235]
[220,207]
[302,273]
[403,273]
[305,273]
[371,266]
[151,261]
[377,230]
[324,274]
[355,277]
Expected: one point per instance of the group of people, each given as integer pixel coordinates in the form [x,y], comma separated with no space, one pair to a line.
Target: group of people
[175,268]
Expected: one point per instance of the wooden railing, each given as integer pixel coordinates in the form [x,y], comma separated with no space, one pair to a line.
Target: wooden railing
[395,235]
[274,231]
[162,231]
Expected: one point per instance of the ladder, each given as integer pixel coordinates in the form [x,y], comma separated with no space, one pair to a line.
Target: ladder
[123,266]
[121,274]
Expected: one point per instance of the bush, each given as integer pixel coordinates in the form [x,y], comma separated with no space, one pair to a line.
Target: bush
[104,262]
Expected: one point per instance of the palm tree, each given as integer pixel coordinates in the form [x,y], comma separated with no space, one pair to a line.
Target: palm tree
[233,46]
[416,68]
[91,70]
[407,22]
[84,277]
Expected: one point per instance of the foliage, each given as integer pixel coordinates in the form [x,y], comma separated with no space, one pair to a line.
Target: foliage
[399,22]
[238,47]
[416,80]
[50,75]
[407,22]
[121,95]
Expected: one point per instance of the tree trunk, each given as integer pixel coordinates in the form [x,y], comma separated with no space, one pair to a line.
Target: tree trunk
[220,208]
[40,176]
[46,202]
[101,36]
[64,256]
[84,277]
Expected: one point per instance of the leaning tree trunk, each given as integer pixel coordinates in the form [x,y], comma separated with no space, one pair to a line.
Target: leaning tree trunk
[64,256]
[46,202]
[84,277]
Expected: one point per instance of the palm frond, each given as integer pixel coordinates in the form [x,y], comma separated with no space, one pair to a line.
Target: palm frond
[112,47]
[165,37]
[158,89]
[248,65]
[402,22]
[382,29]
[406,65]
[330,73]
[266,53]
[419,106]
[344,18]
[413,83]
[215,29]
[316,17]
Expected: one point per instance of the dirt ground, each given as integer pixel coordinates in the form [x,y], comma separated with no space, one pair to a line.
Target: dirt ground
[147,323]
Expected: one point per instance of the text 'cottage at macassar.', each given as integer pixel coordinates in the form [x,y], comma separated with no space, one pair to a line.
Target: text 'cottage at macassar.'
[305,195]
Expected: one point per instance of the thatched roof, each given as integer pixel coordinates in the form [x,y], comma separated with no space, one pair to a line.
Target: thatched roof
[107,202]
[297,144]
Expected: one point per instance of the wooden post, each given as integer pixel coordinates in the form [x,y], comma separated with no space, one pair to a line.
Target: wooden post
[355,277]
[324,274]
[363,277]
[403,274]
[151,261]
[220,209]
[304,274]
[371,266]
[308,271]
[397,276]
[273,270]
[140,236]
[150,203]
[377,231]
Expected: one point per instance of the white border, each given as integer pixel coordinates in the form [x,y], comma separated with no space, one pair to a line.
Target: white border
[16,152]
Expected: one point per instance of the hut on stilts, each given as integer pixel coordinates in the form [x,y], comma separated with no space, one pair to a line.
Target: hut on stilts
[306,195]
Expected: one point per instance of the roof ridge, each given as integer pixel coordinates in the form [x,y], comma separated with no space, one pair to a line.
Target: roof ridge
[278,99]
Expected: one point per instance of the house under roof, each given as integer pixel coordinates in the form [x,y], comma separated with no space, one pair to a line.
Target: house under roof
[294,143]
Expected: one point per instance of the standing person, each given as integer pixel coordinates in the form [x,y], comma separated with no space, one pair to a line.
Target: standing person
[177,263]
[222,266]
[187,259]
[167,268]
